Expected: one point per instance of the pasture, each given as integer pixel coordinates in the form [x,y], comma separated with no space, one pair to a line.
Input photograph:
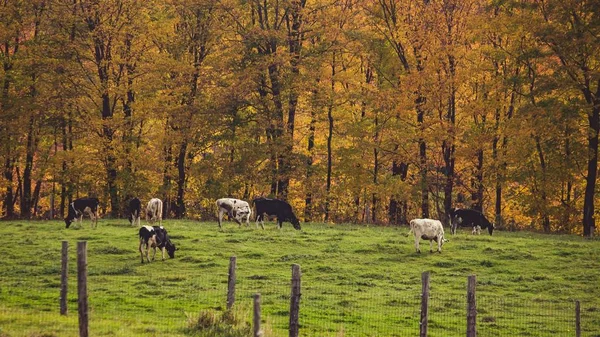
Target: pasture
[356,280]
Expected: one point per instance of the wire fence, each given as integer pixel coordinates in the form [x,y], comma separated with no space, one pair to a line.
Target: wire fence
[128,304]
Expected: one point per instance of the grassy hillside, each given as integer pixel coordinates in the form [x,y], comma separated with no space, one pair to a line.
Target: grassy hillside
[356,280]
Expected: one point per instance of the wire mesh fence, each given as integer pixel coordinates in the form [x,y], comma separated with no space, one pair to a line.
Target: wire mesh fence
[126,304]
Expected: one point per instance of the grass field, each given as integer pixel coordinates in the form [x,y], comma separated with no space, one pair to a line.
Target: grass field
[356,280]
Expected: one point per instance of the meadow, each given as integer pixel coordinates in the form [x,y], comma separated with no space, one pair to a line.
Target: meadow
[357,280]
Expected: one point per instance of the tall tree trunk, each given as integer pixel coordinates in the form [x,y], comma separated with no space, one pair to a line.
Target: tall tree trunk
[375,199]
[8,205]
[329,139]
[398,206]
[589,223]
[26,201]
[180,210]
[542,209]
[309,159]
[423,161]
[280,143]
[477,183]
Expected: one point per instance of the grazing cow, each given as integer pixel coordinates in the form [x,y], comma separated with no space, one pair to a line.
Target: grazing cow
[81,205]
[135,210]
[427,229]
[469,218]
[279,208]
[154,211]
[153,237]
[238,210]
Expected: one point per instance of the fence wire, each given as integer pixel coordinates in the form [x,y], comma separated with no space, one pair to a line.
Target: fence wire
[119,303]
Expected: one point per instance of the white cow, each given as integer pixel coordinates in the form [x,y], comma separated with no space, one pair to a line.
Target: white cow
[238,210]
[427,229]
[154,211]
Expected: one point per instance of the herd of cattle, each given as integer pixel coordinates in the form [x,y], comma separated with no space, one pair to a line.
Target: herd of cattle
[241,211]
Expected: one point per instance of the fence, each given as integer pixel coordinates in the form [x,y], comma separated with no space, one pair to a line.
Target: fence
[304,307]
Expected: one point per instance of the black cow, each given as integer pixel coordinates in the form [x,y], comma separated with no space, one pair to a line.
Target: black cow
[279,208]
[81,205]
[135,209]
[469,218]
[153,237]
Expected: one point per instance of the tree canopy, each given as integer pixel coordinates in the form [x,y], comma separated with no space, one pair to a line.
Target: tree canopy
[371,111]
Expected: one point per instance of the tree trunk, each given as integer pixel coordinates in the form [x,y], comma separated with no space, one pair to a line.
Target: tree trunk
[477,185]
[589,223]
[423,160]
[309,160]
[329,140]
[26,201]
[180,209]
[397,209]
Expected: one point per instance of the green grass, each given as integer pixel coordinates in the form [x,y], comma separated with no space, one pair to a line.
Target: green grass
[356,280]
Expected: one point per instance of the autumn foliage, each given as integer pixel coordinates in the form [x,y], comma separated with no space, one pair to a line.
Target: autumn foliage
[372,111]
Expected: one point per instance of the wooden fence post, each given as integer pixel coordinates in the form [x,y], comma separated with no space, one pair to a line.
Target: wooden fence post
[577,319]
[64,277]
[295,301]
[471,307]
[82,298]
[231,282]
[257,332]
[424,304]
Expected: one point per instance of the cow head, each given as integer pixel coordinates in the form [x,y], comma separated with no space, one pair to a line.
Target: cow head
[295,222]
[170,249]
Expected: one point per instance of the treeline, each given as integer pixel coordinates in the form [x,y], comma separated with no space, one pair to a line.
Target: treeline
[353,110]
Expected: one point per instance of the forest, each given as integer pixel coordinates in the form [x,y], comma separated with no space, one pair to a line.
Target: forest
[365,111]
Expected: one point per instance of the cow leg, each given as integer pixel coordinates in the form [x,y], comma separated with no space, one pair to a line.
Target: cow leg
[259,218]
[140,249]
[220,218]
[94,216]
[417,244]
[431,246]
[439,242]
[146,250]
[261,224]
[153,252]
[163,253]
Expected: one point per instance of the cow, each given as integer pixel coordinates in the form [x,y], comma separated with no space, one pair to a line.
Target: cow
[427,229]
[135,210]
[279,208]
[81,205]
[238,210]
[469,218]
[153,237]
[154,211]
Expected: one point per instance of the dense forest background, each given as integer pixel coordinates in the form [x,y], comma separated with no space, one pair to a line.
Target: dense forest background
[370,111]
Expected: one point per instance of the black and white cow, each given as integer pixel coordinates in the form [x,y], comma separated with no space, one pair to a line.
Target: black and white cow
[135,210]
[153,237]
[469,218]
[80,206]
[238,210]
[279,208]
[154,211]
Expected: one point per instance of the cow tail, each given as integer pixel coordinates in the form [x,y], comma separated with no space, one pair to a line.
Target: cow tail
[412,226]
